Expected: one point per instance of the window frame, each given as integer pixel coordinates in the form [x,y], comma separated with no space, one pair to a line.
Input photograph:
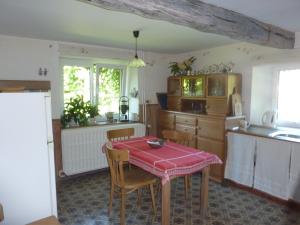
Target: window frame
[110,66]
[90,64]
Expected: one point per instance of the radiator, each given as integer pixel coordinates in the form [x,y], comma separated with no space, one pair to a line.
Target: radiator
[82,147]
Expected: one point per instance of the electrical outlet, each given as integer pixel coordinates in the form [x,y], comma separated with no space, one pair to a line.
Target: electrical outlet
[149,125]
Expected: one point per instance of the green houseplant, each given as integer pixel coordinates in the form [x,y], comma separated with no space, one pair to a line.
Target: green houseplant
[182,67]
[78,111]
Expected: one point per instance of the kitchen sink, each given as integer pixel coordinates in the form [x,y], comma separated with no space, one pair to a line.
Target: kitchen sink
[285,134]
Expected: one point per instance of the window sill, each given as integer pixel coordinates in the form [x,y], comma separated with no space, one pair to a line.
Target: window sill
[105,123]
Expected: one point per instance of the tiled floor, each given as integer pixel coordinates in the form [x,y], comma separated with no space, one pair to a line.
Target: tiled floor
[83,200]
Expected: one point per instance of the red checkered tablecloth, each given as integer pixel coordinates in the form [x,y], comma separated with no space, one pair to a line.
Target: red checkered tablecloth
[170,160]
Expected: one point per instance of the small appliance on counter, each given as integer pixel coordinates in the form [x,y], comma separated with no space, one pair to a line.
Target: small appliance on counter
[269,119]
[124,109]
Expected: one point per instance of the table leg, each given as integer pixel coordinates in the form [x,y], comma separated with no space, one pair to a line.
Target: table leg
[204,191]
[165,209]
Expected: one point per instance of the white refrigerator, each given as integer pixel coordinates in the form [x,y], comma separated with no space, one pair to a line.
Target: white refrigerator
[27,173]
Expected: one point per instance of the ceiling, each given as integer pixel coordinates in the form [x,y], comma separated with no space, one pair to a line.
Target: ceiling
[74,21]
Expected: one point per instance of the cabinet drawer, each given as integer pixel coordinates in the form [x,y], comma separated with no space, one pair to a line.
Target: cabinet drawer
[184,128]
[217,148]
[186,120]
[211,128]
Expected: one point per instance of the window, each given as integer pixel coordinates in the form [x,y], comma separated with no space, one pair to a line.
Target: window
[76,82]
[102,85]
[107,88]
[288,98]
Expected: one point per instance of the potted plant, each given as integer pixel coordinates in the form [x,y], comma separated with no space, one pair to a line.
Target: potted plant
[75,112]
[183,67]
[93,111]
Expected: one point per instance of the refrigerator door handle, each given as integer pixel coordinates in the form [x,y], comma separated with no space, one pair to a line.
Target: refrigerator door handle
[48,118]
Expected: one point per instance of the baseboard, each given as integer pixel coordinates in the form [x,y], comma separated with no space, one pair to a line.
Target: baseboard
[289,203]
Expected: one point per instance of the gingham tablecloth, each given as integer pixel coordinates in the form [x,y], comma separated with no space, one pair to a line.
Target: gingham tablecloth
[170,160]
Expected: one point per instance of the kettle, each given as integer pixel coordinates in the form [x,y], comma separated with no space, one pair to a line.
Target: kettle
[269,119]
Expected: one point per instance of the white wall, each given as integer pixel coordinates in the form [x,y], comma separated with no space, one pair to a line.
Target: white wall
[20,59]
[263,92]
[245,56]
[152,78]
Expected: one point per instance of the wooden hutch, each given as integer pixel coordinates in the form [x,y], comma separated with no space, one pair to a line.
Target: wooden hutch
[201,105]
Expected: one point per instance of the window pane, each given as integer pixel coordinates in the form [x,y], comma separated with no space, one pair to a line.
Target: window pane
[109,89]
[289,95]
[76,82]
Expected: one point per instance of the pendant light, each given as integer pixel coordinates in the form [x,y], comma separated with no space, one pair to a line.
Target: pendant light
[136,62]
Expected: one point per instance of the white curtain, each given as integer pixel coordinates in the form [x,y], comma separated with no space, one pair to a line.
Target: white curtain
[294,185]
[272,167]
[240,159]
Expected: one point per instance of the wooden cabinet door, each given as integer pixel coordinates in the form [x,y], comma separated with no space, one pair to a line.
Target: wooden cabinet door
[217,148]
[174,86]
[174,103]
[166,121]
[211,128]
[217,106]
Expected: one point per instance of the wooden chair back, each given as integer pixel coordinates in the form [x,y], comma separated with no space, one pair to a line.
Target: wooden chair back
[116,159]
[120,134]
[178,137]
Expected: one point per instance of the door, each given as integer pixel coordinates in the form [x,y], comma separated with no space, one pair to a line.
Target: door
[27,190]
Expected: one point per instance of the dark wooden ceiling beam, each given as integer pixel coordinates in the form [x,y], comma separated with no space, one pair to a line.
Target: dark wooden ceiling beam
[206,18]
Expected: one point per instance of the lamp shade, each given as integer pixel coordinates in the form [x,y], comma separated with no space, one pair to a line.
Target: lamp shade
[136,62]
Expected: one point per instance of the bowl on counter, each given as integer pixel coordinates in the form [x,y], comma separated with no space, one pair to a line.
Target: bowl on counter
[156,143]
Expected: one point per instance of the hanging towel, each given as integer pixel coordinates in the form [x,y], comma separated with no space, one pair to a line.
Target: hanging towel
[294,185]
[272,167]
[240,159]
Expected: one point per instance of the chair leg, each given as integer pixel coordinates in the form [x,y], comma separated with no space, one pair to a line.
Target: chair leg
[122,216]
[187,185]
[153,199]
[111,197]
[138,202]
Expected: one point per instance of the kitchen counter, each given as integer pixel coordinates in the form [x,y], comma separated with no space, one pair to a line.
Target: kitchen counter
[266,132]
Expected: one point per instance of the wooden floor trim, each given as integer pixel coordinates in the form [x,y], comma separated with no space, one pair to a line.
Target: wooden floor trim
[289,203]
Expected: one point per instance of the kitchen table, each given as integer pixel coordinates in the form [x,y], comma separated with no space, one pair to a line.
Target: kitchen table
[170,161]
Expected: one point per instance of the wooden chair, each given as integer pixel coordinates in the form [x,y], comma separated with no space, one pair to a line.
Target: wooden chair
[126,180]
[1,213]
[51,220]
[184,139]
[120,134]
